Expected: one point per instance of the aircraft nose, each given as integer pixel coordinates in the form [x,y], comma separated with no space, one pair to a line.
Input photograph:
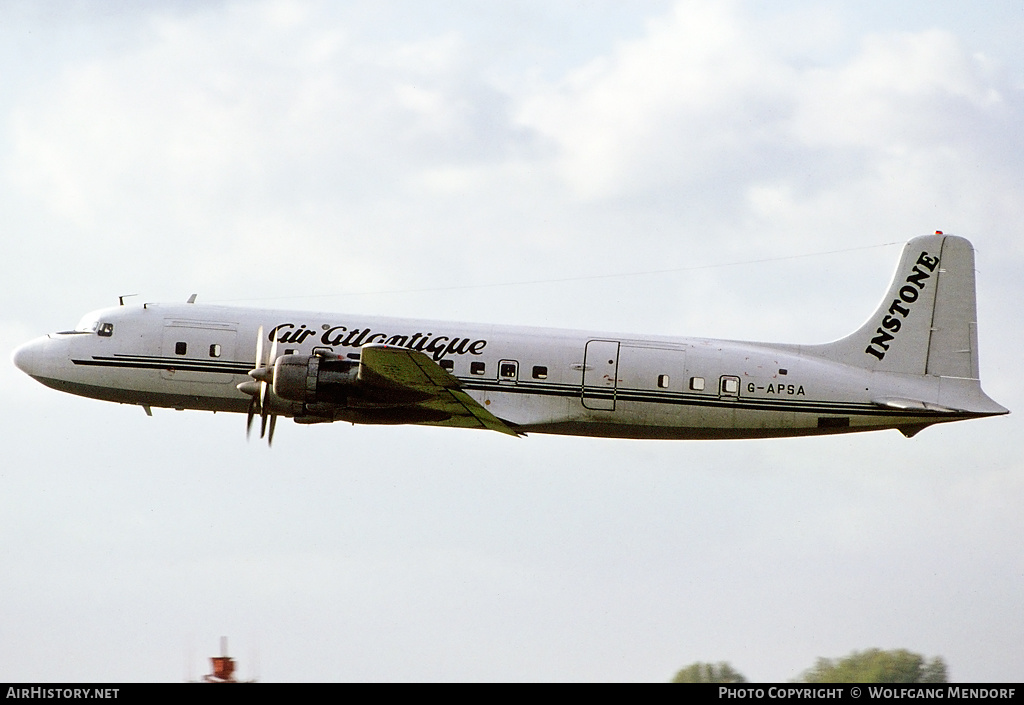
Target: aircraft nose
[30,358]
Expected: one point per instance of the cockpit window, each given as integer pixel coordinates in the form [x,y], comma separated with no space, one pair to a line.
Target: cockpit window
[89,323]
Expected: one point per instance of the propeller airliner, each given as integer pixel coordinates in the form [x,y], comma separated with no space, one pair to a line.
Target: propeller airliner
[914,363]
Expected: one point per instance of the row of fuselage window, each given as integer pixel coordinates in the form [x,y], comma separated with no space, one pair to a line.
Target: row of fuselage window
[509,370]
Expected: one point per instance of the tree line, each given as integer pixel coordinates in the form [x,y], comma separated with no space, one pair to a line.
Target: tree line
[870,666]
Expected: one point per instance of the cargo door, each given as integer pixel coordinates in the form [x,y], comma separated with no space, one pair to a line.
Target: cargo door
[200,351]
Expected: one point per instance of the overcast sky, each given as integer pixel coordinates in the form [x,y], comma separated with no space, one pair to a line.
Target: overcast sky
[590,164]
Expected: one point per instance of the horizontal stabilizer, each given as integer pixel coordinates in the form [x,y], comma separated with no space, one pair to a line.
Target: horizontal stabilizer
[914,405]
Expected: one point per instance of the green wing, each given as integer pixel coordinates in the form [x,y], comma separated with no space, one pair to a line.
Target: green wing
[406,373]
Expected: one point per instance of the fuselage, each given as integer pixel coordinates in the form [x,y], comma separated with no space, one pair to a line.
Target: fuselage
[192,356]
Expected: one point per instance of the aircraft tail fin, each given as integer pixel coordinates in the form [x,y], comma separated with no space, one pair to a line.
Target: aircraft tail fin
[927,327]
[927,322]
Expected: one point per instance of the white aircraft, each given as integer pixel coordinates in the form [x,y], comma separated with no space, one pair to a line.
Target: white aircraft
[914,363]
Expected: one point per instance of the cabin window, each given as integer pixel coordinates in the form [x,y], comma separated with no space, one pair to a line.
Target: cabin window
[477,368]
[783,371]
[697,384]
[663,381]
[180,348]
[540,372]
[105,329]
[730,385]
[508,369]
[447,365]
[215,350]
[287,351]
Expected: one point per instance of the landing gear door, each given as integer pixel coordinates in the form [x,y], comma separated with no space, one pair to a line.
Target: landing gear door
[600,374]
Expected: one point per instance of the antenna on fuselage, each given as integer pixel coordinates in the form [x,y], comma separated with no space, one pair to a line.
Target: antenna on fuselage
[122,297]
[192,299]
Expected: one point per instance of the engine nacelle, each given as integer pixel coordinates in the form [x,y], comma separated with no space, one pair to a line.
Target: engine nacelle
[315,379]
[327,384]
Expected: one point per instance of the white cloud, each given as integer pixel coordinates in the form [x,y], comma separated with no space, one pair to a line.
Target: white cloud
[707,106]
[234,119]
[645,105]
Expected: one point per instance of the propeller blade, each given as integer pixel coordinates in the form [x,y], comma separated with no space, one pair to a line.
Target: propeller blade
[250,416]
[272,359]
[260,387]
[254,388]
[259,348]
